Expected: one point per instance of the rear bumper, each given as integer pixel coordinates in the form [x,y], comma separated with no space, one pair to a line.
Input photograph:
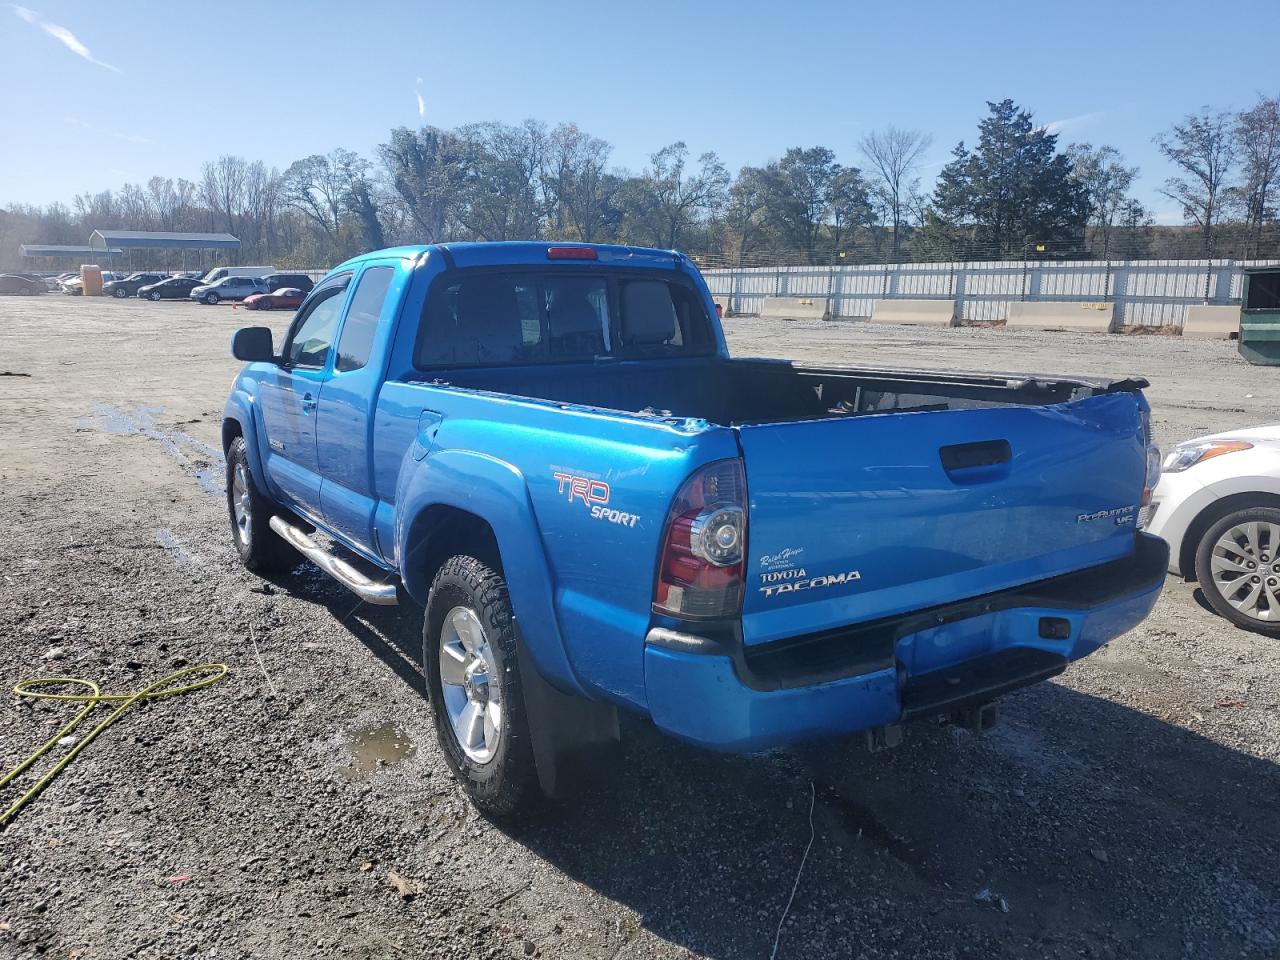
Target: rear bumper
[704,688]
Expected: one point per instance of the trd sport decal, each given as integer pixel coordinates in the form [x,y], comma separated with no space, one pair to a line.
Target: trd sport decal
[594,495]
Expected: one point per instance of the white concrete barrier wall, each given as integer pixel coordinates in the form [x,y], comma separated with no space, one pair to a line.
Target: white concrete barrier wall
[794,308]
[933,313]
[1209,322]
[1062,315]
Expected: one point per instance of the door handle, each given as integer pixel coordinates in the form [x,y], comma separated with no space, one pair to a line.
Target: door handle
[308,402]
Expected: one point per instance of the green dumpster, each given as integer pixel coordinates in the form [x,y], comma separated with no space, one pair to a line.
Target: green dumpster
[1260,316]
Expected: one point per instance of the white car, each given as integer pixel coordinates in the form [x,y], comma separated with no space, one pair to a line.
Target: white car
[1218,506]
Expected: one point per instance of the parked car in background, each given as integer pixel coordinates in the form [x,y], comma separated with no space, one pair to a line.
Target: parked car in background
[55,283]
[172,288]
[13,285]
[75,286]
[129,285]
[228,288]
[286,298]
[221,273]
[297,281]
[1218,506]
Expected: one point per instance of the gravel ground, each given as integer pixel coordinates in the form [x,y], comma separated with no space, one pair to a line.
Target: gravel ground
[1127,809]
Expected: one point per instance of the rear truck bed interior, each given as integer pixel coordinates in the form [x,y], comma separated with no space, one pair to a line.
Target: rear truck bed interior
[741,392]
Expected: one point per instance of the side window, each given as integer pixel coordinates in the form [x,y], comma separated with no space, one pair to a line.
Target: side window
[314,328]
[362,318]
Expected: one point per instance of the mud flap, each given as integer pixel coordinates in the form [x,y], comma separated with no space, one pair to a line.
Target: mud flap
[567,733]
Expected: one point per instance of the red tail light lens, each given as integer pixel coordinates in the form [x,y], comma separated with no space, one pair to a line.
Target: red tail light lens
[571,253]
[701,571]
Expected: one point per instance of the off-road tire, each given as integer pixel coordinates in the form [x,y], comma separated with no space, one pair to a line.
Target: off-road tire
[505,784]
[262,551]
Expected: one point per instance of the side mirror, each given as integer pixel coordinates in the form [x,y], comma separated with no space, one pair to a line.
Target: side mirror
[253,344]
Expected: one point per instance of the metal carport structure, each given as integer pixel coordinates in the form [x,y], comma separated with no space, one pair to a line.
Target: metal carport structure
[130,240]
[59,251]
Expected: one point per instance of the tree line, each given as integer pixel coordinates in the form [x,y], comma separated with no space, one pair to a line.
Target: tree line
[1016,192]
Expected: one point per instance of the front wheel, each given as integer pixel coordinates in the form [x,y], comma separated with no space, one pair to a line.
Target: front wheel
[211,298]
[155,296]
[473,680]
[1238,567]
[260,548]
[119,293]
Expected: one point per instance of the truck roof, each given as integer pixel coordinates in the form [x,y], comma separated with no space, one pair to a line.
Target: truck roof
[520,252]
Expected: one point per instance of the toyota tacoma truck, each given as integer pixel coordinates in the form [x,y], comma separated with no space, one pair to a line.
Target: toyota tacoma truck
[548,447]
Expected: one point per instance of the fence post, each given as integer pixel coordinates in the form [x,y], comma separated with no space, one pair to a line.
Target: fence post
[777,281]
[831,286]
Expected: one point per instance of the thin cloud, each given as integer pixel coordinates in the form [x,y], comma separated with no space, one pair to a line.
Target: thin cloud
[126,137]
[1057,126]
[62,35]
[422,104]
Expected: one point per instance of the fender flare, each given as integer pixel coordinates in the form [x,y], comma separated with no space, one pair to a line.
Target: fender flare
[496,492]
[241,408]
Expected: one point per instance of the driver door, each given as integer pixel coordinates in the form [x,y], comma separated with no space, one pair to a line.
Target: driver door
[291,391]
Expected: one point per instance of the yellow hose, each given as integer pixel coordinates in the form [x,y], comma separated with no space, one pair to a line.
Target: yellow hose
[31,689]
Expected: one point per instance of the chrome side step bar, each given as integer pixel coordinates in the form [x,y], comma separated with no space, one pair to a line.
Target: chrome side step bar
[382,594]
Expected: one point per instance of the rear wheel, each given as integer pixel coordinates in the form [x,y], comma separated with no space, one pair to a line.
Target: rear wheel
[1238,567]
[260,548]
[473,680]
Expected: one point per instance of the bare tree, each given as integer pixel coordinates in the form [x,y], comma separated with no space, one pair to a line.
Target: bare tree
[680,196]
[575,182]
[315,186]
[893,156]
[1203,147]
[222,190]
[746,213]
[1257,134]
[427,170]
[503,188]
[1106,181]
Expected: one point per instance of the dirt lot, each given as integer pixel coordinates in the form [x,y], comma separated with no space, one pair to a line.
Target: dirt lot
[1129,809]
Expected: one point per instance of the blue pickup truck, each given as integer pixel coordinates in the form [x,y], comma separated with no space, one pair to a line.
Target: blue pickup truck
[549,448]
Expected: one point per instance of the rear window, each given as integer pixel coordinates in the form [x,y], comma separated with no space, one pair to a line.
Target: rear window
[482,318]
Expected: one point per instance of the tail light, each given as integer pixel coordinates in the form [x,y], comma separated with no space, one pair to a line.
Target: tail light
[571,253]
[703,548]
[1153,458]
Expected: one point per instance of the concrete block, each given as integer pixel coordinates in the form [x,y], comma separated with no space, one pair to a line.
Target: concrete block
[1061,315]
[1213,323]
[794,308]
[933,313]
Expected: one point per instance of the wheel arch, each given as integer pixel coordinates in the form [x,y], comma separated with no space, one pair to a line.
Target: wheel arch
[1210,515]
[238,421]
[471,502]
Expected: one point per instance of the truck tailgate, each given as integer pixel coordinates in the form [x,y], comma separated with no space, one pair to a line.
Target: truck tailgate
[861,517]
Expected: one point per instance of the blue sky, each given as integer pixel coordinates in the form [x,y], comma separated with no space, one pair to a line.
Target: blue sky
[99,93]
